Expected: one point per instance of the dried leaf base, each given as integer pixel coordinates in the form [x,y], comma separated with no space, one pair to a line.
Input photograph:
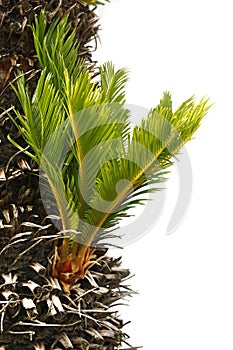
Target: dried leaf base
[35,313]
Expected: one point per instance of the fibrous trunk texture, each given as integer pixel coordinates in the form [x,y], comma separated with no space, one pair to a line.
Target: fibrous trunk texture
[35,313]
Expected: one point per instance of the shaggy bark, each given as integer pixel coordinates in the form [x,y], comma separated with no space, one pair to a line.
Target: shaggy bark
[35,313]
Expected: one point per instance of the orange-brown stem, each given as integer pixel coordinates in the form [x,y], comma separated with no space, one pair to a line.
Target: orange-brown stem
[68,269]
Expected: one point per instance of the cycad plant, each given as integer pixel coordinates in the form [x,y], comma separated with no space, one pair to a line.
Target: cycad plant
[94,167]
[69,111]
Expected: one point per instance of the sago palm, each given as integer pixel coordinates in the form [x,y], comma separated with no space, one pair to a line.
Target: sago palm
[21,212]
[94,167]
[69,110]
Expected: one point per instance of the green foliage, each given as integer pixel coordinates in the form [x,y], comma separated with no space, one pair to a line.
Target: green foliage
[89,119]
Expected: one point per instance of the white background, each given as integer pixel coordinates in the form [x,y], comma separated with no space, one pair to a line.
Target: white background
[185,280]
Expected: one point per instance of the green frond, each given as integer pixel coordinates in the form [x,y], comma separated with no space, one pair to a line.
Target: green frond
[56,42]
[144,162]
[106,167]
[43,113]
[113,83]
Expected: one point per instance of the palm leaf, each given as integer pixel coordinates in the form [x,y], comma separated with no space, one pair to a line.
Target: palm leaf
[96,167]
[144,162]
[56,48]
[42,114]
[113,83]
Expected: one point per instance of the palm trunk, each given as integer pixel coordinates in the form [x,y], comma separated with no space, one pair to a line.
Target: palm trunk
[35,313]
